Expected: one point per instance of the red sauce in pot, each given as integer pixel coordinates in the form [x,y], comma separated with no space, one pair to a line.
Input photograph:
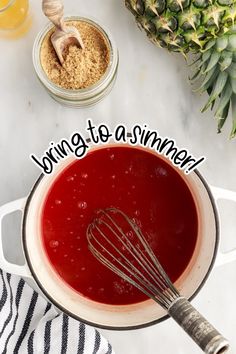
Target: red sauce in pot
[142,185]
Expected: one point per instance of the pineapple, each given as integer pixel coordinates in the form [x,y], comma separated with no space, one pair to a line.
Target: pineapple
[204,27]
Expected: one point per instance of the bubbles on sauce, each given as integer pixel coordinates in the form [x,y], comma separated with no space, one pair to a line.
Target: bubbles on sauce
[82,205]
[137,222]
[58,202]
[54,244]
[101,290]
[112,156]
[130,235]
[160,171]
[131,168]
[118,288]
[122,287]
[84,175]
[70,179]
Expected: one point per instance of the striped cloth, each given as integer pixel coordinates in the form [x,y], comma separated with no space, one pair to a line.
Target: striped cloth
[30,325]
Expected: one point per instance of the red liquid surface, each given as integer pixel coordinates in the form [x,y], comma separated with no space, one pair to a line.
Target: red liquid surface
[142,185]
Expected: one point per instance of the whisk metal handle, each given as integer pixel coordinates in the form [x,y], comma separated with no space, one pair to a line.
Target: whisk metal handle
[197,327]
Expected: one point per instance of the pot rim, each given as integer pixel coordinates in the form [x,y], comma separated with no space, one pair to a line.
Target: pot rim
[121,328]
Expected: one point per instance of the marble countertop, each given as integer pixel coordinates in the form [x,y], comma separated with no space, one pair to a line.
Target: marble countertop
[152,87]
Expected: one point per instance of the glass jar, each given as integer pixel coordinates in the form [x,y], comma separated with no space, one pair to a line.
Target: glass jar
[78,97]
[14,19]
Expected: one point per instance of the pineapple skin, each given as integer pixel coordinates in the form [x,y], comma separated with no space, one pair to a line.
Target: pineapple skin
[204,27]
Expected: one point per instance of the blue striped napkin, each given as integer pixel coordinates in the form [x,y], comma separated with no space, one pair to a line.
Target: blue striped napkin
[30,325]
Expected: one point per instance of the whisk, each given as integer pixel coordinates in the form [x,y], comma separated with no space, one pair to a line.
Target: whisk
[118,242]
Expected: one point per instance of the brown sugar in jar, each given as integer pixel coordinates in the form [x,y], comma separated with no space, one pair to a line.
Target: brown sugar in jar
[82,68]
[87,76]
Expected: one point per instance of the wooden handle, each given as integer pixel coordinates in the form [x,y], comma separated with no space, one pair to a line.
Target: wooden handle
[54,10]
[199,329]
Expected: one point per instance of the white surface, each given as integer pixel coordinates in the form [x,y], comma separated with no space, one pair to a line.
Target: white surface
[151,88]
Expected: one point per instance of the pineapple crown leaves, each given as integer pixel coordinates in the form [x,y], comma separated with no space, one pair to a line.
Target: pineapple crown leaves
[218,66]
[194,21]
[206,28]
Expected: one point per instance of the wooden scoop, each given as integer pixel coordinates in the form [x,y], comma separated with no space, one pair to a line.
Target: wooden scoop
[63,36]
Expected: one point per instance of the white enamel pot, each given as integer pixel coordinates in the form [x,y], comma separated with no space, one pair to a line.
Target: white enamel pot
[134,316]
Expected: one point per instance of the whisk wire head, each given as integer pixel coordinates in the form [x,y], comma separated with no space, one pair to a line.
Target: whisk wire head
[126,266]
[133,260]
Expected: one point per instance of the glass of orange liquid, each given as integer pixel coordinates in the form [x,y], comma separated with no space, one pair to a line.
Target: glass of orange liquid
[14,19]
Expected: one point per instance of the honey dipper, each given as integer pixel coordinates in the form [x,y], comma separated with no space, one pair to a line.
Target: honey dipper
[64,36]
